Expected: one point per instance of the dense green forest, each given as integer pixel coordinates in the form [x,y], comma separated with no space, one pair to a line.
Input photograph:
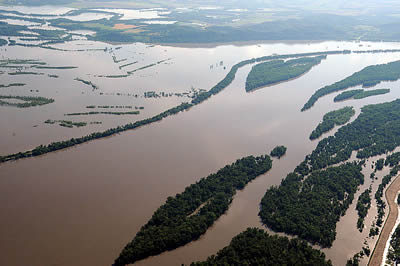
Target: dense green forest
[256,247]
[362,207]
[375,131]
[347,95]
[278,151]
[359,94]
[276,71]
[366,94]
[375,73]
[311,207]
[188,215]
[332,119]
[27,101]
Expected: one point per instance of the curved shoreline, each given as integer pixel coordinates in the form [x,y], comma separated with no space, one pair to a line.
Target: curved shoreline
[390,195]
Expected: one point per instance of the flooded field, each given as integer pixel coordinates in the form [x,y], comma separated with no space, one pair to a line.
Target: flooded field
[80,206]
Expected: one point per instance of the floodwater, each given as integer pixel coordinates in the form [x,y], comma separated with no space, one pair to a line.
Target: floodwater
[82,205]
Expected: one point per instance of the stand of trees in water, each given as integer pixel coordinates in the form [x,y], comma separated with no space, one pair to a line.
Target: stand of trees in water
[319,194]
[359,94]
[26,101]
[362,207]
[374,74]
[12,85]
[188,215]
[332,119]
[394,249]
[278,151]
[256,247]
[104,113]
[42,149]
[276,71]
[393,162]
[375,131]
[311,207]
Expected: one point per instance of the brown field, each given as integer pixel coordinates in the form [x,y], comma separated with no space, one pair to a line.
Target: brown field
[124,27]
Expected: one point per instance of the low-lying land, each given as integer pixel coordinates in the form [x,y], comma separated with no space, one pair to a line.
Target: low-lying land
[104,113]
[276,71]
[188,215]
[324,194]
[66,123]
[199,98]
[27,101]
[332,119]
[375,73]
[310,207]
[256,247]
[362,207]
[278,151]
[359,94]
[12,85]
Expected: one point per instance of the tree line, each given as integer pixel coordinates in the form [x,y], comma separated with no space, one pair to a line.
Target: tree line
[374,73]
[310,207]
[276,71]
[189,214]
[332,119]
[256,247]
[54,146]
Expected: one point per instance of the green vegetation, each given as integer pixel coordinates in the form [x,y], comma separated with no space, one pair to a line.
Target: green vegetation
[311,208]
[379,194]
[42,149]
[366,94]
[276,71]
[359,94]
[347,95]
[376,73]
[373,132]
[332,119]
[362,207]
[188,215]
[66,123]
[278,151]
[28,101]
[115,107]
[129,64]
[12,85]
[256,247]
[94,87]
[3,42]
[393,159]
[379,164]
[394,248]
[105,113]
[24,73]
[51,67]
[140,68]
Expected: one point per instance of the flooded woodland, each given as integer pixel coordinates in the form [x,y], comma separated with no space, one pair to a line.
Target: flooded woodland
[82,205]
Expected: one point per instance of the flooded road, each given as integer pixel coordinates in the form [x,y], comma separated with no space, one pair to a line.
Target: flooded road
[82,205]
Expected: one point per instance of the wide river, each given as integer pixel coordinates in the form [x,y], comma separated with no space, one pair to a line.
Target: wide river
[81,206]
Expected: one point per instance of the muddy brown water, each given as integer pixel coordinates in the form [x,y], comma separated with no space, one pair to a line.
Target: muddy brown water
[82,205]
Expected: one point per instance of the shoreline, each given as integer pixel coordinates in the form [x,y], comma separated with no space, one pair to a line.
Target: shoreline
[380,246]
